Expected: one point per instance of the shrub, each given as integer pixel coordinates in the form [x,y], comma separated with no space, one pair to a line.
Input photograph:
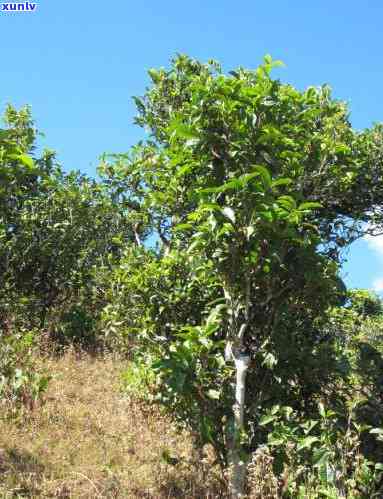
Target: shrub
[21,381]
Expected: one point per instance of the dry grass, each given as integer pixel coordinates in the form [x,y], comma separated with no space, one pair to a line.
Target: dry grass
[88,441]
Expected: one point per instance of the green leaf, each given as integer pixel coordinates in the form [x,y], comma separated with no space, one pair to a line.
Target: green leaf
[265,175]
[234,184]
[181,227]
[153,73]
[184,170]
[309,425]
[311,92]
[266,215]
[209,207]
[183,130]
[307,442]
[206,429]
[275,409]
[320,457]
[287,202]
[269,359]
[213,394]
[288,411]
[250,231]
[322,410]
[245,179]
[267,419]
[27,161]
[275,441]
[281,181]
[210,190]
[195,244]
[309,206]
[215,313]
[24,158]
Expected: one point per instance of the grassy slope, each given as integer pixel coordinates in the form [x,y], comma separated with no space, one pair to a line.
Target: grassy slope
[88,441]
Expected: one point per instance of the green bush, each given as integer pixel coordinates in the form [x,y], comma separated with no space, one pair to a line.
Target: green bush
[22,383]
[77,326]
[321,456]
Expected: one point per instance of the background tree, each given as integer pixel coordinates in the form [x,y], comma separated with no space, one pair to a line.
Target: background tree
[56,228]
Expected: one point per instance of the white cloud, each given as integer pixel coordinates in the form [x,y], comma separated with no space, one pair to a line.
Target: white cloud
[377,285]
[375,243]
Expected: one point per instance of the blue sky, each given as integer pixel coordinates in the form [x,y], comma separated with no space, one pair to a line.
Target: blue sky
[77,63]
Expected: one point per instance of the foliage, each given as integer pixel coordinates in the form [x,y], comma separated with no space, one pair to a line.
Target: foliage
[320,454]
[365,303]
[21,382]
[55,228]
[137,381]
[149,297]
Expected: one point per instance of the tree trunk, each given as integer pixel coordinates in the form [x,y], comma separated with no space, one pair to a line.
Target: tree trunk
[237,461]
[235,351]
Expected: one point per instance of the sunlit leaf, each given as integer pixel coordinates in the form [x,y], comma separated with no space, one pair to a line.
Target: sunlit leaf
[229,213]
[307,442]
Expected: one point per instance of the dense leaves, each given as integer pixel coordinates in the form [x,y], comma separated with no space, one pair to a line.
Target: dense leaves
[55,228]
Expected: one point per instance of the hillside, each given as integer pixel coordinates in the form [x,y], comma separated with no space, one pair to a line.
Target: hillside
[88,441]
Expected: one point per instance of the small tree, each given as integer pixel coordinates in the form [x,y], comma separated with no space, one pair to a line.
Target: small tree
[263,185]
